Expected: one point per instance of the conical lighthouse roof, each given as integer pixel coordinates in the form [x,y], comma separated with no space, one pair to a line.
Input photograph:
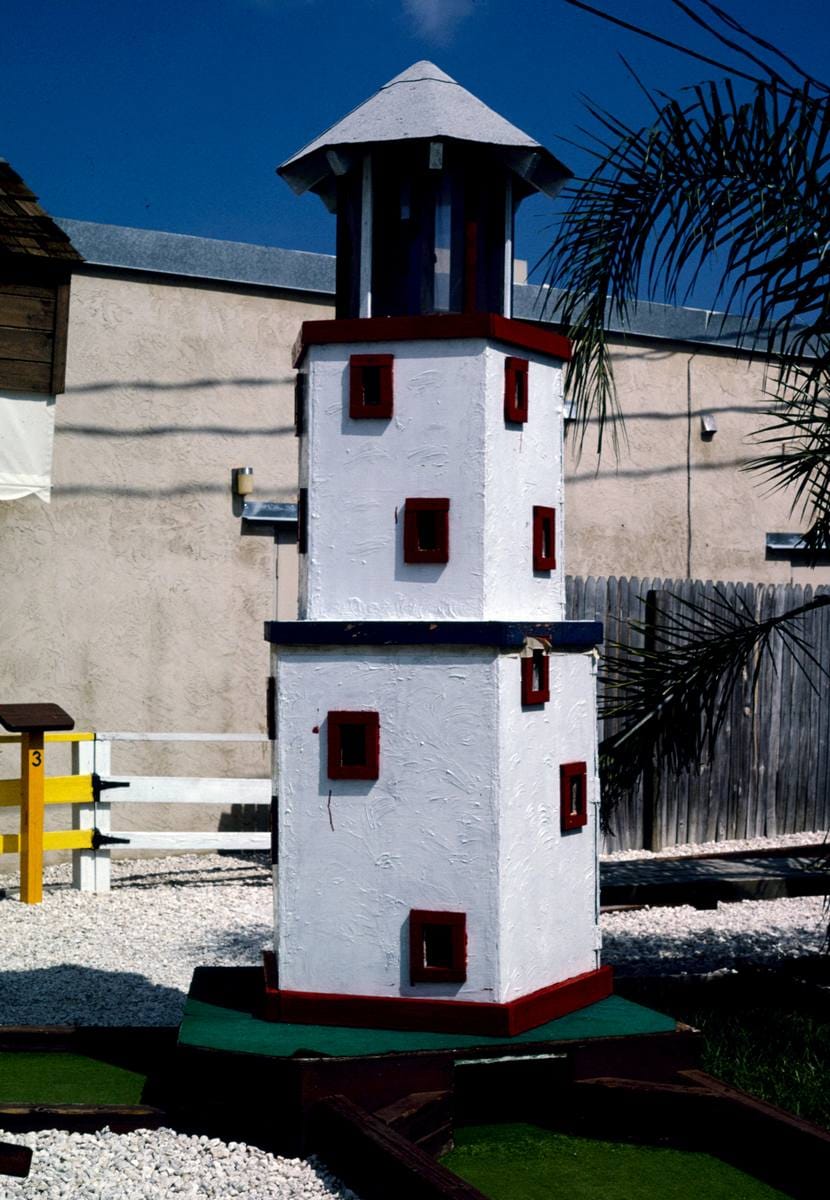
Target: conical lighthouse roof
[424,102]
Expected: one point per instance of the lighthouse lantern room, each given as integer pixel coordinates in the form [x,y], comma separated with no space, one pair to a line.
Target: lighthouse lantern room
[435,763]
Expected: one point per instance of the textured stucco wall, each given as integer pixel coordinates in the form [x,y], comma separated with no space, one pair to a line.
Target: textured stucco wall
[132,600]
[447,437]
[673,504]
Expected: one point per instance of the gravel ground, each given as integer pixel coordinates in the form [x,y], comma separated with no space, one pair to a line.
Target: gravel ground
[688,849]
[127,958]
[160,1164]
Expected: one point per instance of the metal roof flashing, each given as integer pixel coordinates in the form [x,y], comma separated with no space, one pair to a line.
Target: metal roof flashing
[181,256]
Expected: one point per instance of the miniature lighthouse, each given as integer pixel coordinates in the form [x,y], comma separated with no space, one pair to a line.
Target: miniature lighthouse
[435,714]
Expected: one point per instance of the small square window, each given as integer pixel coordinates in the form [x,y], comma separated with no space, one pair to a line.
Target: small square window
[437,947]
[426,531]
[536,678]
[573,795]
[353,745]
[370,386]
[544,538]
[515,390]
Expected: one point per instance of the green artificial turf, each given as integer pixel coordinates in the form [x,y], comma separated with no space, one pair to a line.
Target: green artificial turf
[524,1162]
[37,1077]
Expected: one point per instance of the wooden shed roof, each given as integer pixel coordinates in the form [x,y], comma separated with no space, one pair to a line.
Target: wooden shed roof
[25,229]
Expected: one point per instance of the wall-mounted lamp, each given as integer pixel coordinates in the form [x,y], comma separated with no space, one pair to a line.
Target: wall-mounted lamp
[243,481]
[708,427]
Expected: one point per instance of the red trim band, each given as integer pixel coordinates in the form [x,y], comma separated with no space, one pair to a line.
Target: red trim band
[438,1016]
[489,326]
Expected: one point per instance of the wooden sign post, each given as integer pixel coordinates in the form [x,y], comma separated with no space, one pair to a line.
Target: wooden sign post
[31,721]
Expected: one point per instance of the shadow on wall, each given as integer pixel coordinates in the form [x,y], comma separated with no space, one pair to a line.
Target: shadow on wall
[183,385]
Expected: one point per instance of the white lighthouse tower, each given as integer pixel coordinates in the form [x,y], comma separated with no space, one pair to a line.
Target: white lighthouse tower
[435,712]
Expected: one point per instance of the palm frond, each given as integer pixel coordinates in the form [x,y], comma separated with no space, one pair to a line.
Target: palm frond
[738,181]
[672,695]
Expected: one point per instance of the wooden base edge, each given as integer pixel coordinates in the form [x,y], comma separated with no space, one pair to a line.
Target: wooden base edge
[434,1016]
[375,1160]
[80,1118]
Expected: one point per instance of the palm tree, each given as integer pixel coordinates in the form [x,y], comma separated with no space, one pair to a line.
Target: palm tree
[734,176]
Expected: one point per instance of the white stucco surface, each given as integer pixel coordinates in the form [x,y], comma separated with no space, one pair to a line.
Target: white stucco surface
[523,468]
[447,438]
[464,817]
[357,855]
[548,900]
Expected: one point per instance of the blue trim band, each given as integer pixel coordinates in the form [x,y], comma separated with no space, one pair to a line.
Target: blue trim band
[563,635]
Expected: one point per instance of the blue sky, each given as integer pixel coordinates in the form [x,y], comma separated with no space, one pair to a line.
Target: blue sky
[173,114]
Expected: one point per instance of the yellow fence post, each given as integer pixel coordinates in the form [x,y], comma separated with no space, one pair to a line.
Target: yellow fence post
[31,721]
[31,817]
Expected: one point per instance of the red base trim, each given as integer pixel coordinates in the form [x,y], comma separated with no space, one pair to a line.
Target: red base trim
[435,1016]
[490,326]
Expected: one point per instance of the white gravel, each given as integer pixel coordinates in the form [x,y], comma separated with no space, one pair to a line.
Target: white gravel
[695,848]
[160,1164]
[690,941]
[127,957]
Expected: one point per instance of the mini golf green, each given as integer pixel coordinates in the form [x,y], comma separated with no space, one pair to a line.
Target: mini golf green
[42,1077]
[525,1162]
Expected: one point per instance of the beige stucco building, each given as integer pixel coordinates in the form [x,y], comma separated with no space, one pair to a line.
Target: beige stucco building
[136,598]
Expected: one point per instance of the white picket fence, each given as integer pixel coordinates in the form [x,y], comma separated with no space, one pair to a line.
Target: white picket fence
[91,868]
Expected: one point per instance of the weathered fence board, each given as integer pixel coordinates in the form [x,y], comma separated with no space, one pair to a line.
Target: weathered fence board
[770,771]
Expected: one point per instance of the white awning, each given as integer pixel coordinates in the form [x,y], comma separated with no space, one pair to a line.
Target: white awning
[27,433]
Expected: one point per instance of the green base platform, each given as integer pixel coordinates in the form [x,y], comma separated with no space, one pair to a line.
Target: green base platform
[229,1058]
[227,1021]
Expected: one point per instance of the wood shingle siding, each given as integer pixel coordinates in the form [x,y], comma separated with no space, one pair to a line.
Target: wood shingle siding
[34,290]
[33,320]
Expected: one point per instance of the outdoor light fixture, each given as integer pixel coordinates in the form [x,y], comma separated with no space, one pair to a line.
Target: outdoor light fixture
[708,426]
[243,481]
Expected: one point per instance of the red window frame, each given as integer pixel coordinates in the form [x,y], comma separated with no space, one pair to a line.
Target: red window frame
[455,971]
[370,768]
[544,546]
[572,818]
[413,552]
[359,367]
[516,390]
[530,693]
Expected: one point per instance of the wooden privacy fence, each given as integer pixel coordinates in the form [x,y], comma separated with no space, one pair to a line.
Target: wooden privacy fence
[770,771]
[92,804]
